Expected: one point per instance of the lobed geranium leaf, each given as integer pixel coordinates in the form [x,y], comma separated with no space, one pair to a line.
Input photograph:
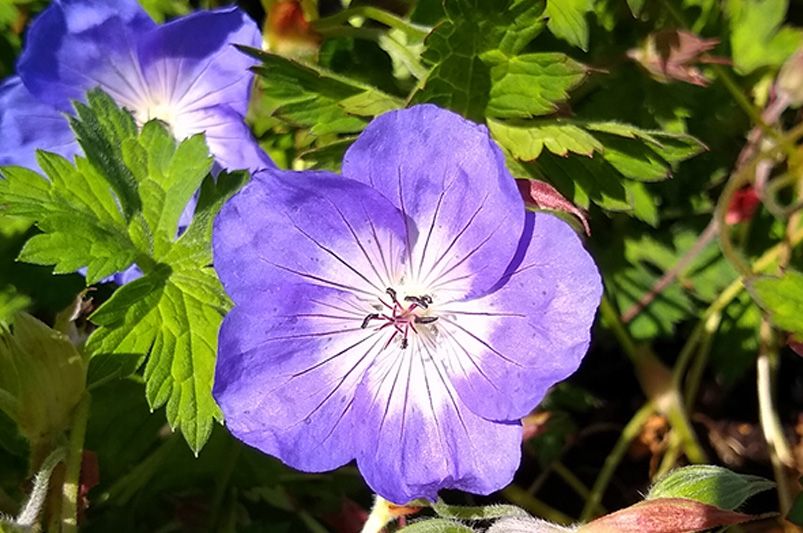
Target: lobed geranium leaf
[121,205]
[615,158]
[168,176]
[77,213]
[101,128]
[314,98]
[709,484]
[758,38]
[175,316]
[527,141]
[475,36]
[567,20]
[529,85]
[782,298]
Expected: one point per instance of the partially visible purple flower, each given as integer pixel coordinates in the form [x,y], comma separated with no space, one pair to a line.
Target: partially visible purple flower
[186,72]
[406,315]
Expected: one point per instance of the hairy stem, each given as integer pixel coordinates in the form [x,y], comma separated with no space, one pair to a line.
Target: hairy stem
[72,473]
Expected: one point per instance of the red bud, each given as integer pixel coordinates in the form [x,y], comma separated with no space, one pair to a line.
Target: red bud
[666,515]
[544,196]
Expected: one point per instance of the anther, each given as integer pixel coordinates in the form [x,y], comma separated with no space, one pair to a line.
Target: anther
[392,294]
[421,301]
[367,319]
[425,319]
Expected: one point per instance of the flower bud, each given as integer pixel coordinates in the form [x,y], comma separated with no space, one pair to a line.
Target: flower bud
[42,379]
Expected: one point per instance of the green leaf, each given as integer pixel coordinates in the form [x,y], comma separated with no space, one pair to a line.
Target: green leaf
[615,157]
[475,35]
[77,213]
[175,316]
[636,6]
[317,99]
[168,176]
[101,128]
[529,85]
[709,484]
[11,302]
[782,298]
[636,262]
[559,137]
[758,38]
[567,20]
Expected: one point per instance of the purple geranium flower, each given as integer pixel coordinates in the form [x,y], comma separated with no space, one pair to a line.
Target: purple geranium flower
[406,315]
[186,73]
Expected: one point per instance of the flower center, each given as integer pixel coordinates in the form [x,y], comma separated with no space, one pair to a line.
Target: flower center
[164,110]
[402,317]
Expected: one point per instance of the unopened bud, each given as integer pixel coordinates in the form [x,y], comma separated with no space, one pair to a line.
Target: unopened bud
[42,379]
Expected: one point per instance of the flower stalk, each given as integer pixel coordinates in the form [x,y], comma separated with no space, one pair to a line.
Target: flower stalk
[72,474]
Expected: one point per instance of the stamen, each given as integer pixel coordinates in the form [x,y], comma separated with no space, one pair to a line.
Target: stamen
[422,301]
[366,320]
[402,318]
[392,294]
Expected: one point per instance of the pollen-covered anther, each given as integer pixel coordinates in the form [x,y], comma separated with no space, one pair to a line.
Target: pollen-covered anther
[402,318]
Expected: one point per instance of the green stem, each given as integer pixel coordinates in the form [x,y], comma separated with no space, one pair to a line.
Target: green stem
[130,484]
[378,15]
[612,320]
[779,452]
[710,327]
[670,458]
[223,481]
[630,432]
[534,506]
[410,60]
[29,515]
[574,482]
[72,470]
[656,382]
